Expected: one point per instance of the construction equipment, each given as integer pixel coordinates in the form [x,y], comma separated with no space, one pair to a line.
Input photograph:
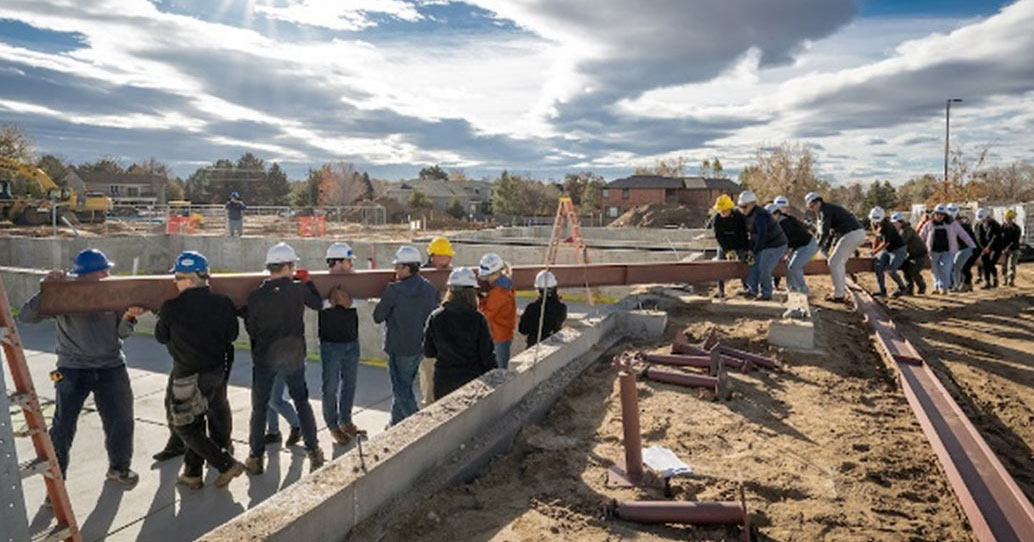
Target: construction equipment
[45,461]
[25,209]
[565,213]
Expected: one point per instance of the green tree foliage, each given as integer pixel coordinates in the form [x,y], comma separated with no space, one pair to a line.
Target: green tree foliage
[419,201]
[513,195]
[917,189]
[54,167]
[455,209]
[307,193]
[585,190]
[106,164]
[787,170]
[434,172]
[880,194]
[15,144]
[174,190]
[506,195]
[277,185]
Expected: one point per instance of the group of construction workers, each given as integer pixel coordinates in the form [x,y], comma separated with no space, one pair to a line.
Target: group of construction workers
[465,335]
[944,239]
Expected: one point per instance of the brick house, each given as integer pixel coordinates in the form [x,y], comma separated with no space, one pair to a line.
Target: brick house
[474,196]
[621,195]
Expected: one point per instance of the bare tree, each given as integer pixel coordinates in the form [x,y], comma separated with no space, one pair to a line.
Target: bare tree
[15,144]
[674,167]
[787,170]
[340,184]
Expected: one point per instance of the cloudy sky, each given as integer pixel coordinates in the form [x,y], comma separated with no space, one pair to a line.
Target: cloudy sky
[537,86]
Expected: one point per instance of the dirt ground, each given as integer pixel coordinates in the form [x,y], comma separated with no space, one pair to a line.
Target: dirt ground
[825,450]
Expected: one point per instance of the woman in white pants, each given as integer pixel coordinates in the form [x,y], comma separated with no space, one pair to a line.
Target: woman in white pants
[836,221]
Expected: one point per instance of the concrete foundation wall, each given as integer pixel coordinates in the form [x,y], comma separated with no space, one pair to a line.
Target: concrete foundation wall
[439,443]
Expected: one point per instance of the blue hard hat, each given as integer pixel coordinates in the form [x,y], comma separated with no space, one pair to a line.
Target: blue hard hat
[89,261]
[190,261]
[236,195]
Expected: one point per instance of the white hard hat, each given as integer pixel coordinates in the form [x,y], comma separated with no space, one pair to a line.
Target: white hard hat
[407,254]
[983,213]
[897,217]
[747,196]
[490,263]
[781,201]
[952,209]
[462,276]
[812,196]
[940,208]
[877,213]
[771,207]
[545,279]
[340,251]
[281,253]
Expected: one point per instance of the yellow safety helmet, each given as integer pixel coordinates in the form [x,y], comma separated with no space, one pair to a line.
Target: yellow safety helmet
[723,203]
[440,246]
[1010,214]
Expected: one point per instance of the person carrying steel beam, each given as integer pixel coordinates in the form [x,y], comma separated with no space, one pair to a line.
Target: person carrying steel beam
[457,336]
[1011,235]
[274,320]
[890,252]
[730,230]
[198,326]
[439,256]
[404,308]
[90,360]
[802,244]
[916,255]
[548,301]
[835,221]
[942,236]
[962,262]
[989,238]
[767,245]
[339,349]
[499,304]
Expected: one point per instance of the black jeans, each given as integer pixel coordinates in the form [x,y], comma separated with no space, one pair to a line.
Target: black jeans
[967,268]
[914,273]
[114,400]
[220,422]
[989,261]
[207,438]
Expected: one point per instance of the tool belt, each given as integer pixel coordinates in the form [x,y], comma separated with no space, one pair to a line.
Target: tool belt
[187,401]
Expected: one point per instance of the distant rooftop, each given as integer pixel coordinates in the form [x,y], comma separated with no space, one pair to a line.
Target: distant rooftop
[658,181]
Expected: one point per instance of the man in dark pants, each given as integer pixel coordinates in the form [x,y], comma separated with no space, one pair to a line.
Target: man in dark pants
[989,240]
[273,318]
[917,255]
[90,360]
[730,230]
[197,326]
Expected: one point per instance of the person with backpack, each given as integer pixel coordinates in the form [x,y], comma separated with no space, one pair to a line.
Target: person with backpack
[547,311]
[499,305]
[457,336]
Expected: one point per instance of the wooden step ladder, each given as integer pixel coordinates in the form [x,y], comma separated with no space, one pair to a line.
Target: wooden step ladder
[13,519]
[565,213]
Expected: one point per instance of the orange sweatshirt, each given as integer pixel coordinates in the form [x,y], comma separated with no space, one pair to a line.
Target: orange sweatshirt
[500,309]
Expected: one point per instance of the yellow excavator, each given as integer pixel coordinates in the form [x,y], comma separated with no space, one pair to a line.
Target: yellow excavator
[28,210]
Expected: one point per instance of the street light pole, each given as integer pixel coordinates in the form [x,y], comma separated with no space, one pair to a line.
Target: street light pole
[947,136]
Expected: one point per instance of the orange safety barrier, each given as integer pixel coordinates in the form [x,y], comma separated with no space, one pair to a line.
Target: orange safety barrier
[312,226]
[180,225]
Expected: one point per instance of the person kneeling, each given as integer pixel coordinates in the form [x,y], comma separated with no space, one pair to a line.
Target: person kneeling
[458,337]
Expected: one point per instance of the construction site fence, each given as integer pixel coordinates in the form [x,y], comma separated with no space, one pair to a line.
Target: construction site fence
[159,213]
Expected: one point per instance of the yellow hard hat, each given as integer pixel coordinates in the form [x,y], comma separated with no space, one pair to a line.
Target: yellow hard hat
[1010,214]
[723,203]
[440,246]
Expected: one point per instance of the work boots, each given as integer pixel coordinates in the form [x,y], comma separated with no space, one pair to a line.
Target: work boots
[234,471]
[191,482]
[254,465]
[316,459]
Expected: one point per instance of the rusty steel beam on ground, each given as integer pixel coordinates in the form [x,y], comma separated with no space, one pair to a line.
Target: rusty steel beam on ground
[747,356]
[630,473]
[994,504]
[698,513]
[150,291]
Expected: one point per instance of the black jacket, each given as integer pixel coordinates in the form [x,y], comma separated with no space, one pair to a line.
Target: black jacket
[339,325]
[730,231]
[888,233]
[198,327]
[968,229]
[556,314]
[274,322]
[763,230]
[797,234]
[1011,234]
[458,337]
[916,246]
[836,221]
[989,235]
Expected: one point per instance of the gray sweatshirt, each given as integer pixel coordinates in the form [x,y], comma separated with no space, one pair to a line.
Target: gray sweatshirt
[85,341]
[404,308]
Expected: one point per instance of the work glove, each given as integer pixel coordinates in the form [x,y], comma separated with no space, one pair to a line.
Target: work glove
[731,255]
[302,275]
[750,258]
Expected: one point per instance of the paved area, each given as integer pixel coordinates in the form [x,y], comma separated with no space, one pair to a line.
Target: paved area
[158,509]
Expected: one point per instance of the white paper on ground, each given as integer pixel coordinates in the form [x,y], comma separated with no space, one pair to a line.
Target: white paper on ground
[664,462]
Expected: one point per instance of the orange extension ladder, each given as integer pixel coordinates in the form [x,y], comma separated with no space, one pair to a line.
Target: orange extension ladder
[565,212]
[45,462]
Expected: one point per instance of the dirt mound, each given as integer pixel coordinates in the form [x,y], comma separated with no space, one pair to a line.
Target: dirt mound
[661,216]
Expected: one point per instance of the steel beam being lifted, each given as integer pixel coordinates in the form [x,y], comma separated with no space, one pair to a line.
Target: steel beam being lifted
[118,293]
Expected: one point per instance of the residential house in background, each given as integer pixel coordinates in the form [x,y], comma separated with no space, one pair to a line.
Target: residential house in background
[122,188]
[620,195]
[474,196]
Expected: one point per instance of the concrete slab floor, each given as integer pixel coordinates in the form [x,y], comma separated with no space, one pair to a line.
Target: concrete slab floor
[158,509]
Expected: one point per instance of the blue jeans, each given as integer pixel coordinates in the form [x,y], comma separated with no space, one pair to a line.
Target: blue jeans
[340,370]
[890,262]
[235,227]
[402,371]
[502,353]
[795,267]
[958,262]
[278,405]
[759,276]
[262,377]
[114,400]
[940,268]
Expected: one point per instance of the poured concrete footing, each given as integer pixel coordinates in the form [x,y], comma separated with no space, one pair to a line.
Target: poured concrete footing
[442,444]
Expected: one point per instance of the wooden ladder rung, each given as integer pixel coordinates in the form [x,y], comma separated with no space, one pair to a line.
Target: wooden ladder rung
[54,534]
[32,467]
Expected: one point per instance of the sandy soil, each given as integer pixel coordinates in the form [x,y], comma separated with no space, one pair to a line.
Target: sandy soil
[827,450]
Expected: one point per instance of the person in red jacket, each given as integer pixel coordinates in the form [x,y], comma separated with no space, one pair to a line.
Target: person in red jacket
[499,305]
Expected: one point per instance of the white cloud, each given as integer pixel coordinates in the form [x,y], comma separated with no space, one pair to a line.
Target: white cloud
[347,15]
